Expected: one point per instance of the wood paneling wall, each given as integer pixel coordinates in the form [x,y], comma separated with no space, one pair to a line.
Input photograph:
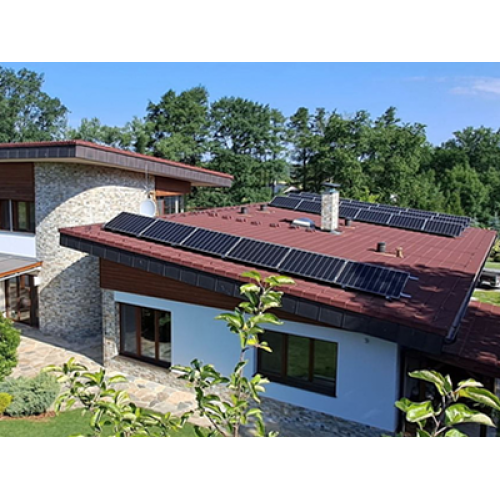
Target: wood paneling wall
[17,181]
[127,279]
[171,187]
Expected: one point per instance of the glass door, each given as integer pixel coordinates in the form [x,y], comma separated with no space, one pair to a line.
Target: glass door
[22,300]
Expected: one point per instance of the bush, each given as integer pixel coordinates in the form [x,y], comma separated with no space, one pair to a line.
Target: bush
[9,342]
[497,257]
[30,396]
[5,400]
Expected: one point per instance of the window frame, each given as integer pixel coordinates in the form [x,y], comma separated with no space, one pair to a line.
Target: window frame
[138,328]
[12,211]
[178,202]
[284,379]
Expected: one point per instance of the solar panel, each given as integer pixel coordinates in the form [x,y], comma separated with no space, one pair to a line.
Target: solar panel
[311,207]
[465,221]
[373,279]
[408,222]
[131,224]
[421,213]
[373,216]
[346,212]
[386,209]
[304,194]
[168,232]
[311,265]
[258,252]
[284,202]
[211,242]
[443,228]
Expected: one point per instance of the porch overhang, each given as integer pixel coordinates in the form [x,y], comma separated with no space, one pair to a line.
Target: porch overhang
[15,265]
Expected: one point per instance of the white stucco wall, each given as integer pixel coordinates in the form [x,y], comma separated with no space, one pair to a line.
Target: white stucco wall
[18,244]
[367,374]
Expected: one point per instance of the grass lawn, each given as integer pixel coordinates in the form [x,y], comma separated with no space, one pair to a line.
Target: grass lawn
[488,297]
[492,265]
[65,424]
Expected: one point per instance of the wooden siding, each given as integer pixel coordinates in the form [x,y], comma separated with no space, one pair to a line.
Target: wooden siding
[17,181]
[122,278]
[171,187]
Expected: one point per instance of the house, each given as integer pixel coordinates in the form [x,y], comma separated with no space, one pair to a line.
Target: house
[372,301]
[46,186]
[379,290]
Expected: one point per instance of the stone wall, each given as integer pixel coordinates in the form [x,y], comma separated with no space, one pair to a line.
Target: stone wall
[74,195]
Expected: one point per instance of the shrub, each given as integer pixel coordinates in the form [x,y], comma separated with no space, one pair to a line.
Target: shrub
[5,400]
[9,342]
[30,396]
[497,257]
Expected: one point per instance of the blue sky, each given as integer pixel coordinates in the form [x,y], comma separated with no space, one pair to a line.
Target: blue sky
[444,96]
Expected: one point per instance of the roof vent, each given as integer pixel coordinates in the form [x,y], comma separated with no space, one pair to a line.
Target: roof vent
[263,207]
[381,247]
[243,210]
[303,222]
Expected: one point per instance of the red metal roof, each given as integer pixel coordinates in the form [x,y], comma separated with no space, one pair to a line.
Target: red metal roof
[477,346]
[446,268]
[123,152]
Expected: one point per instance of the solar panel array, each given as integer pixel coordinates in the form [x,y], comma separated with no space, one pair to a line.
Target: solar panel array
[378,213]
[378,280]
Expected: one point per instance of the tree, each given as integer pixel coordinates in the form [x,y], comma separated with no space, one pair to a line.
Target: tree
[228,413]
[439,418]
[394,155]
[247,141]
[178,125]
[10,339]
[27,114]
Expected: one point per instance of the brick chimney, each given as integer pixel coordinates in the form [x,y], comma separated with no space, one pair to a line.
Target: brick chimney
[330,201]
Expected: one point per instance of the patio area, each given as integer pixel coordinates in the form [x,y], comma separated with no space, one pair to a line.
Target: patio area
[37,351]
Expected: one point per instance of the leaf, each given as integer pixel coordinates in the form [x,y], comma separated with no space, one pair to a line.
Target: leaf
[417,412]
[249,288]
[433,377]
[469,383]
[403,404]
[481,395]
[455,433]
[253,275]
[461,414]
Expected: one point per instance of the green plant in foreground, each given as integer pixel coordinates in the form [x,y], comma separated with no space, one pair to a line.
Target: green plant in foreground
[5,400]
[439,418]
[111,408]
[227,413]
[9,342]
[30,396]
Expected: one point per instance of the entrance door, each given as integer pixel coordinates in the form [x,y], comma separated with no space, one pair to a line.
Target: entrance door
[22,300]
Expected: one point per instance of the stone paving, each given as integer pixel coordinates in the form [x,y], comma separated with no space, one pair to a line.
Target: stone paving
[37,351]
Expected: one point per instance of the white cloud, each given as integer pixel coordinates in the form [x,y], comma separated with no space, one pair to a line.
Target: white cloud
[482,86]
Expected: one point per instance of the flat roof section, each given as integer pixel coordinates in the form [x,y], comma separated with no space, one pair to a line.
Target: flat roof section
[95,154]
[12,265]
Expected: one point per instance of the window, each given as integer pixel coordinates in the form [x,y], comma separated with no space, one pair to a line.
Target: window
[17,216]
[301,362]
[170,204]
[146,334]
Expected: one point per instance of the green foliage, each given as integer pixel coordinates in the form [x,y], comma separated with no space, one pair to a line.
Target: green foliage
[112,412]
[5,401]
[27,113]
[30,396]
[9,342]
[439,418]
[178,125]
[230,402]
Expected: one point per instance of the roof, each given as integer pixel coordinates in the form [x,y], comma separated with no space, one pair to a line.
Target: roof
[446,268]
[477,346]
[95,154]
[11,265]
